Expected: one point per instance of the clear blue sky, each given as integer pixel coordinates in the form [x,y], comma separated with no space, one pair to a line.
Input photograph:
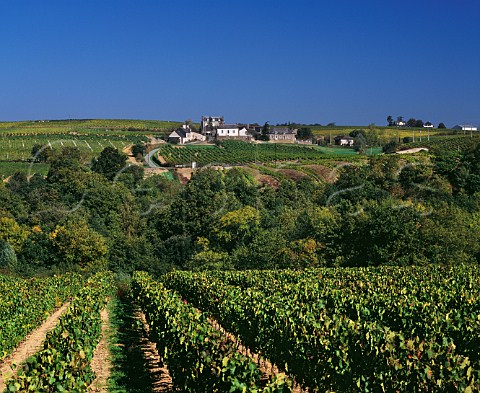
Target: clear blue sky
[347,61]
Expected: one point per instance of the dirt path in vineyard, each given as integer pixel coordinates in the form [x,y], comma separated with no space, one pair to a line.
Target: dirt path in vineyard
[101,363]
[32,344]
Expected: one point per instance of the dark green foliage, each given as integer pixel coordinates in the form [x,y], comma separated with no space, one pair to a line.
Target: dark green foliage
[110,163]
[390,209]
[304,133]
[390,147]
[8,258]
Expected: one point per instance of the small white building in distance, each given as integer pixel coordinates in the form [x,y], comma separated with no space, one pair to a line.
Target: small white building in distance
[465,127]
[428,125]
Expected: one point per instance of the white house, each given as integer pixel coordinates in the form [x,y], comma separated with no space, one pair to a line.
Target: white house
[185,134]
[231,131]
[465,127]
[428,125]
[344,140]
[228,130]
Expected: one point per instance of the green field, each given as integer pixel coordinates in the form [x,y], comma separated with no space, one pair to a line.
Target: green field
[9,168]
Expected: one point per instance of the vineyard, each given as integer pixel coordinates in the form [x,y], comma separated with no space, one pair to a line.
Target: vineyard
[238,152]
[25,303]
[64,362]
[19,148]
[94,125]
[89,136]
[385,329]
[446,144]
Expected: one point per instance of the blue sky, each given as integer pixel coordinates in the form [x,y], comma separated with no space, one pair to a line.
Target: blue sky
[347,61]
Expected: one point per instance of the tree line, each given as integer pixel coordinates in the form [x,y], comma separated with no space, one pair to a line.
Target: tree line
[88,216]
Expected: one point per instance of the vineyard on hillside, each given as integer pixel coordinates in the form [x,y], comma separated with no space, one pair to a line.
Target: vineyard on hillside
[238,152]
[446,144]
[19,148]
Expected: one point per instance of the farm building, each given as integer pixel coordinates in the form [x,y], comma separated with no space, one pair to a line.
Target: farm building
[464,127]
[231,130]
[283,134]
[342,140]
[185,134]
[428,125]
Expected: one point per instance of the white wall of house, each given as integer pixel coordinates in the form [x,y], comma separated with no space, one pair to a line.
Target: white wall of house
[228,131]
[346,142]
[195,136]
[465,128]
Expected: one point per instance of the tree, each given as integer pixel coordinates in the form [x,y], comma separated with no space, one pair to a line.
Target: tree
[69,158]
[12,233]
[304,133]
[78,246]
[109,163]
[382,233]
[360,143]
[207,259]
[441,125]
[390,147]
[138,150]
[265,131]
[411,122]
[41,153]
[237,227]
[8,258]
[390,121]
[419,123]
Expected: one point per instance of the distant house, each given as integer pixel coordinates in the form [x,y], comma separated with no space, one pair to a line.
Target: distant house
[282,134]
[215,127]
[231,130]
[185,134]
[428,125]
[342,140]
[464,127]
[399,123]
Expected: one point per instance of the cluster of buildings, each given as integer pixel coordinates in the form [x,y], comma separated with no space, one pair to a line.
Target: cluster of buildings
[213,127]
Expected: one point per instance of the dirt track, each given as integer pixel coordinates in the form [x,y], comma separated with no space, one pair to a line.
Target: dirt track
[32,344]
